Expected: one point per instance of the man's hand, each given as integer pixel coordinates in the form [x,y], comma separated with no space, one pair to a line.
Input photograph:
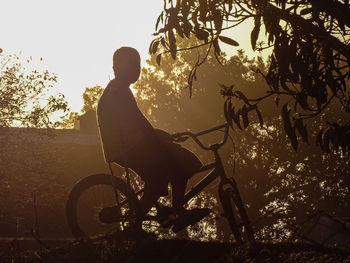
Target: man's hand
[179,137]
[163,135]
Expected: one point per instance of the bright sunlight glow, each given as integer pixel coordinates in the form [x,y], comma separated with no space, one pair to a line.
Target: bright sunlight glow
[76,39]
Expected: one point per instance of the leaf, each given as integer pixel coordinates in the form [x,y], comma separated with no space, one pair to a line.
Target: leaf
[230,5]
[203,7]
[202,34]
[185,8]
[158,20]
[288,127]
[155,46]
[235,117]
[255,32]
[172,43]
[260,117]
[306,11]
[286,121]
[187,27]
[150,50]
[158,58]
[217,20]
[164,44]
[229,41]
[179,31]
[244,113]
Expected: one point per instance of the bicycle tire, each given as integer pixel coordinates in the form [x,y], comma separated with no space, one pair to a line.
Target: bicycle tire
[237,216]
[228,203]
[74,219]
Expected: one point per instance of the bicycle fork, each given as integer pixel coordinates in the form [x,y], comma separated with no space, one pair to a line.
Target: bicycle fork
[227,188]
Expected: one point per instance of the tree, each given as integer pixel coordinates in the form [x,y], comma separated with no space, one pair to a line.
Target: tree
[25,99]
[290,187]
[91,97]
[309,65]
[90,101]
[27,108]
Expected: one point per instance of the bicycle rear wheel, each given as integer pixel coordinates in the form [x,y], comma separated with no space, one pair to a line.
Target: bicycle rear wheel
[236,215]
[91,196]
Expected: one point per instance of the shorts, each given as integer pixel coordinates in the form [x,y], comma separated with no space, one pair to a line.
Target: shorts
[158,163]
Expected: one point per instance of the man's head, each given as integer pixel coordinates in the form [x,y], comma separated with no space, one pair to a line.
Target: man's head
[126,64]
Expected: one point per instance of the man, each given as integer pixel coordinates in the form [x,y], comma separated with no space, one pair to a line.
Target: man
[130,140]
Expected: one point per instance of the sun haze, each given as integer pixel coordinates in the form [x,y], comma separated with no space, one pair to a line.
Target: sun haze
[76,39]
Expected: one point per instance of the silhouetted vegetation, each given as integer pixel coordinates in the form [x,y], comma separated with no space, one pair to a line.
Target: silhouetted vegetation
[29,110]
[306,77]
[308,71]
[25,100]
[131,248]
[281,188]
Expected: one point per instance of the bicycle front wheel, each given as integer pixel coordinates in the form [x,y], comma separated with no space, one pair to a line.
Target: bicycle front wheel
[236,215]
[95,196]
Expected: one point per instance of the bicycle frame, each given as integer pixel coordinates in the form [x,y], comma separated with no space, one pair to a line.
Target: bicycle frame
[216,167]
[230,199]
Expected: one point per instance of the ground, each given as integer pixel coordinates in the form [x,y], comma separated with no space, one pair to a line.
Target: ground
[131,248]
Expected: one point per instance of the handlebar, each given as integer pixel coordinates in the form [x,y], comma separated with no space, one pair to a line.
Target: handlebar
[183,136]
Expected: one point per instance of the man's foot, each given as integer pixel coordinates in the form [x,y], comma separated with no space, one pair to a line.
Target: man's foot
[166,216]
[189,217]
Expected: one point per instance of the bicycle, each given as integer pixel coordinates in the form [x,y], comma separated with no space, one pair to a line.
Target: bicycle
[125,198]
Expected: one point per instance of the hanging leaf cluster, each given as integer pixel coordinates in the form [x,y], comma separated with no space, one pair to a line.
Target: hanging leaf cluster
[309,43]
[202,19]
[239,115]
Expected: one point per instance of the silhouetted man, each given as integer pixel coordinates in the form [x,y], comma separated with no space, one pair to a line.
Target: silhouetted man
[130,140]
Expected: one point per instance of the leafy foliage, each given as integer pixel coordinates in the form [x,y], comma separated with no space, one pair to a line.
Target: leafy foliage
[290,186]
[25,99]
[91,97]
[310,60]
[90,101]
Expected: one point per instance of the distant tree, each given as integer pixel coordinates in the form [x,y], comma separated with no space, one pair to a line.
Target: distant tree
[25,99]
[91,97]
[28,108]
[90,101]
[280,188]
[161,91]
[309,66]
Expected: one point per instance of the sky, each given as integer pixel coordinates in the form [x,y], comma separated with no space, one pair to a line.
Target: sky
[77,38]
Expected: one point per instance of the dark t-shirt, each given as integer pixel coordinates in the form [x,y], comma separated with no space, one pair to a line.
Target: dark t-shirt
[122,125]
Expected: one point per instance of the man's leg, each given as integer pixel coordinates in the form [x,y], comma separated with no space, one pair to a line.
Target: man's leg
[178,185]
[184,165]
[148,199]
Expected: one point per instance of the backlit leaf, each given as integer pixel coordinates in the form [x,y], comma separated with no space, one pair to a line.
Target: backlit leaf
[158,58]
[229,41]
